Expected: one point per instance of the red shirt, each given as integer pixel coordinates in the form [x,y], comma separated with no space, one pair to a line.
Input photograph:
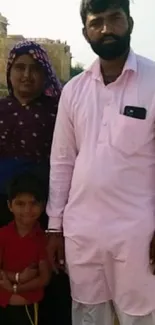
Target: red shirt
[17,253]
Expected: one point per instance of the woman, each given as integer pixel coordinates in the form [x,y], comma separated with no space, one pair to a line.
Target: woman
[27,115]
[27,119]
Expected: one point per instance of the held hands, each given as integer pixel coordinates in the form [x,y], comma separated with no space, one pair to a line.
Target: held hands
[28,274]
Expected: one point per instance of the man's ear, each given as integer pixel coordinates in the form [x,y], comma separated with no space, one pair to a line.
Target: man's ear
[131,24]
[84,32]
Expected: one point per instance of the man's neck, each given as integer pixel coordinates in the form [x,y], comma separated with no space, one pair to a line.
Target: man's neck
[112,69]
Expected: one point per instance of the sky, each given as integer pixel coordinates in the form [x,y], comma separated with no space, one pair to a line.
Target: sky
[60,19]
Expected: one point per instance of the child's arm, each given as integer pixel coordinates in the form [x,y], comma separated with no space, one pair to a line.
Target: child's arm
[38,282]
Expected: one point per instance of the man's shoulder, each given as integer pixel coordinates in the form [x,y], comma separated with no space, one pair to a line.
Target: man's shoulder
[78,86]
[83,78]
[144,60]
[76,81]
[146,65]
[146,82]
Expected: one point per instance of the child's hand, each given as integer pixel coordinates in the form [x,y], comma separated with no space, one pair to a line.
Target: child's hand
[5,283]
[28,274]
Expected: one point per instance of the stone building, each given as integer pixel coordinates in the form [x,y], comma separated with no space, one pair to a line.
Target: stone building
[59,53]
[3,25]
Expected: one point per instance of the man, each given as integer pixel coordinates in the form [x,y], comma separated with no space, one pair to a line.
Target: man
[102,181]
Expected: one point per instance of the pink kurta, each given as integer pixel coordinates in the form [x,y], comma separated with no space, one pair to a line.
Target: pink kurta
[102,186]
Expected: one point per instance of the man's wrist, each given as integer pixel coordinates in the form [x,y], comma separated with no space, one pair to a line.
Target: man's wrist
[55,223]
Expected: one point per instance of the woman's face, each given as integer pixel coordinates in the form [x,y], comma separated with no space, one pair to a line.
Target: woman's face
[27,77]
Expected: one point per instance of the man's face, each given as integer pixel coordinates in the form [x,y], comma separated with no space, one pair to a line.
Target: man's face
[108,33]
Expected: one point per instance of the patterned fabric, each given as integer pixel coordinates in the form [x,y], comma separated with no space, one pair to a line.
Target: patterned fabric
[52,85]
[26,132]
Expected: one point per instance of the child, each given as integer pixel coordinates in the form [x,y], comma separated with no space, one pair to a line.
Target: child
[24,270]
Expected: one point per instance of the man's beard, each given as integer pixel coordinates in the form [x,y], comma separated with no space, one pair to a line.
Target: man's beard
[113,50]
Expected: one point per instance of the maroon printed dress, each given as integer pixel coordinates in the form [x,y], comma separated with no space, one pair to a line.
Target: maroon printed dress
[25,140]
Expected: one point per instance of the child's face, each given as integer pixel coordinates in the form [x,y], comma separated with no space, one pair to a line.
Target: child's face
[26,209]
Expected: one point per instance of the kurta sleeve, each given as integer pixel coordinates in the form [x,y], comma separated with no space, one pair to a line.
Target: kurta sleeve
[62,161]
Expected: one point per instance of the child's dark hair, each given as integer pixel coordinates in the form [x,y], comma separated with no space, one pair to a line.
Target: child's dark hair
[27,183]
[97,6]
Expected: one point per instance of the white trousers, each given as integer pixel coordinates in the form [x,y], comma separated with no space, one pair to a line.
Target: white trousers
[103,314]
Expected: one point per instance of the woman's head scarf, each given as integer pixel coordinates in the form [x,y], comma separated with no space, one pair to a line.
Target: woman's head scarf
[52,85]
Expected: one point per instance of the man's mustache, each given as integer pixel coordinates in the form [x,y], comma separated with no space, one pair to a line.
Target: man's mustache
[108,37]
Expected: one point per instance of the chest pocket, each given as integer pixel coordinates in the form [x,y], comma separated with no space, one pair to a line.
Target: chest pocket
[128,135]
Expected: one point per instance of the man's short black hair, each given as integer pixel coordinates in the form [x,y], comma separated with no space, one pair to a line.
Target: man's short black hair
[27,183]
[97,6]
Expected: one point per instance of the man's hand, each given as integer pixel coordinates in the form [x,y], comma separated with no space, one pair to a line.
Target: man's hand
[56,251]
[28,274]
[152,253]
[5,283]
